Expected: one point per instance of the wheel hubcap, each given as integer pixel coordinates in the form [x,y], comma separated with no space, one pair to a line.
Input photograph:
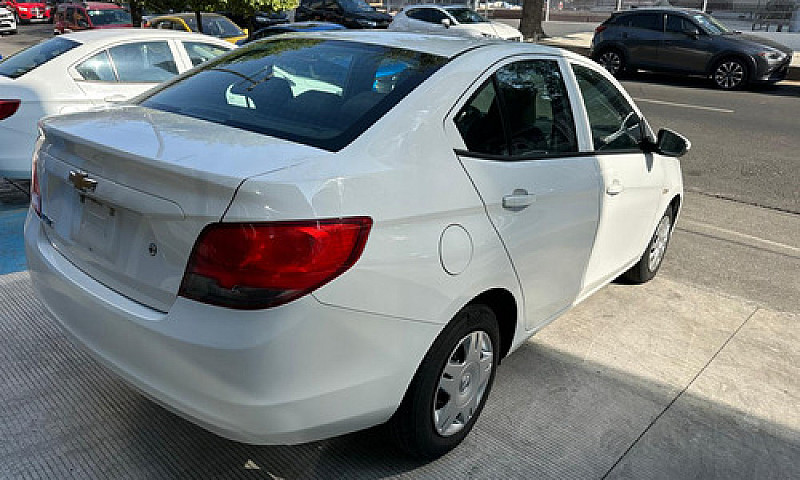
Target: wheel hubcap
[659,244]
[729,74]
[611,61]
[463,383]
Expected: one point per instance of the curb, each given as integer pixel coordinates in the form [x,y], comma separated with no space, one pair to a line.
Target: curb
[793,74]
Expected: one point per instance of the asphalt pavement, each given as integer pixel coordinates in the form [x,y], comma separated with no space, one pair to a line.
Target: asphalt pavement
[693,375]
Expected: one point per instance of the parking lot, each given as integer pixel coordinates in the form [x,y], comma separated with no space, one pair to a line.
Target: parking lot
[694,375]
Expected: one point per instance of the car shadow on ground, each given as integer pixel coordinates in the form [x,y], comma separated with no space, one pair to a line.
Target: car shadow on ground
[784,89]
[551,415]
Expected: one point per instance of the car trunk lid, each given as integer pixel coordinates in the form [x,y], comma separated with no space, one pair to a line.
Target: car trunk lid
[126,191]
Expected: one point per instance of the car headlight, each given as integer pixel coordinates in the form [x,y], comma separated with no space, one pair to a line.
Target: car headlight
[772,56]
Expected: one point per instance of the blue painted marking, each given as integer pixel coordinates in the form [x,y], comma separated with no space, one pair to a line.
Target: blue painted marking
[12,249]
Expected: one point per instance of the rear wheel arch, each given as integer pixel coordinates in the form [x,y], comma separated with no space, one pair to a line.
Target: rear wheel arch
[504,306]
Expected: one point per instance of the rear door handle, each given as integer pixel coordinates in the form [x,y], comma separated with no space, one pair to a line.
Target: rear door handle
[519,199]
[615,188]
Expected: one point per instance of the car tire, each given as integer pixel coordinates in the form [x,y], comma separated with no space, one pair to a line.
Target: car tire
[613,60]
[648,265]
[730,74]
[454,379]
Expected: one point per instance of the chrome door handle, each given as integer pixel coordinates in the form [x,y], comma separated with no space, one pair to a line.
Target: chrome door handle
[519,199]
[615,188]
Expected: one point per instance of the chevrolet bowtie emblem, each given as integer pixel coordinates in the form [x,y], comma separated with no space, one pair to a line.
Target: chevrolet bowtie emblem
[82,182]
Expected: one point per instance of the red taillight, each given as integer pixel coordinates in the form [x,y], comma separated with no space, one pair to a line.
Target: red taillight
[599,28]
[261,265]
[8,108]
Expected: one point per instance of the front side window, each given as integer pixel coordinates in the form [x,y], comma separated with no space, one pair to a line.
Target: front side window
[678,24]
[615,125]
[144,62]
[322,93]
[466,15]
[522,111]
[26,60]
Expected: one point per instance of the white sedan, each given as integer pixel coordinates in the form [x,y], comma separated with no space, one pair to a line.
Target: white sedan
[78,71]
[281,266]
[8,21]
[458,20]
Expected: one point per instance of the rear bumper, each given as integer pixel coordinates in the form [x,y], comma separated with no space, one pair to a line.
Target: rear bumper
[292,374]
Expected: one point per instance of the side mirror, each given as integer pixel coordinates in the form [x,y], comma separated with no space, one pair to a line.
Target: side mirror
[446,22]
[692,32]
[671,144]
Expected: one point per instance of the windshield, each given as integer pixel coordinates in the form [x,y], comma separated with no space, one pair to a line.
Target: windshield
[215,26]
[466,15]
[26,60]
[109,16]
[356,6]
[711,25]
[322,93]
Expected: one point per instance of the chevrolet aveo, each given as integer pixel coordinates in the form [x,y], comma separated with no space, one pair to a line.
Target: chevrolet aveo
[287,244]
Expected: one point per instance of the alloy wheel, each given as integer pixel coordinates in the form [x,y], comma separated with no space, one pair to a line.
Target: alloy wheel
[729,74]
[612,61]
[463,383]
[659,244]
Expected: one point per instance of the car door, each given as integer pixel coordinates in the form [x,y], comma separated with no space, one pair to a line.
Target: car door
[125,70]
[642,36]
[517,141]
[685,46]
[632,182]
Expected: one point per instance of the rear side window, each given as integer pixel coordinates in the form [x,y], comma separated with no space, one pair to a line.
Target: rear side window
[524,111]
[647,21]
[23,62]
[202,52]
[322,93]
[144,62]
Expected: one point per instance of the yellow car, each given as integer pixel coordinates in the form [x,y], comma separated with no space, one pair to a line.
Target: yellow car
[214,24]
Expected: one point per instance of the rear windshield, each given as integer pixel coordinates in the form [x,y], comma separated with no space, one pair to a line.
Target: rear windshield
[110,16]
[322,93]
[26,60]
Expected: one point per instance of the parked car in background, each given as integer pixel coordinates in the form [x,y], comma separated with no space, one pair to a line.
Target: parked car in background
[260,19]
[29,11]
[451,20]
[8,21]
[687,41]
[78,71]
[291,28]
[350,13]
[214,24]
[74,17]
[289,244]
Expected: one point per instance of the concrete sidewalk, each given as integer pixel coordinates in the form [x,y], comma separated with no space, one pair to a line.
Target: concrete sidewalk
[577,37]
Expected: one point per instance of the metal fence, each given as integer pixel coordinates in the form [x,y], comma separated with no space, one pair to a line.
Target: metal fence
[775,15]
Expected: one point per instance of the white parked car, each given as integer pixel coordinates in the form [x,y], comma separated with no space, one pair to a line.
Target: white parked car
[78,71]
[457,20]
[8,21]
[281,266]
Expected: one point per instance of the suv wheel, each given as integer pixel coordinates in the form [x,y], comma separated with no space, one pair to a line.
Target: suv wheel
[613,61]
[730,74]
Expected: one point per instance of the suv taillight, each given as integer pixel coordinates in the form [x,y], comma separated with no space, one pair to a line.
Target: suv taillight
[261,265]
[600,28]
[8,108]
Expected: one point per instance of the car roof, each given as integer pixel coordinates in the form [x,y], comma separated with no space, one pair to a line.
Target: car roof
[436,5]
[186,15]
[658,9]
[93,5]
[112,34]
[442,45]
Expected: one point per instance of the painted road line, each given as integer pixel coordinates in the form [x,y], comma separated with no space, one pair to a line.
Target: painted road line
[738,237]
[685,105]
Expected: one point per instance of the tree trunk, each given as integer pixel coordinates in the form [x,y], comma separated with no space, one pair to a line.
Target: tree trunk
[136,13]
[532,16]
[199,21]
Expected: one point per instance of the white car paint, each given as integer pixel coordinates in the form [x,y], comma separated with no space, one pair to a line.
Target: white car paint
[488,29]
[56,87]
[8,21]
[341,358]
